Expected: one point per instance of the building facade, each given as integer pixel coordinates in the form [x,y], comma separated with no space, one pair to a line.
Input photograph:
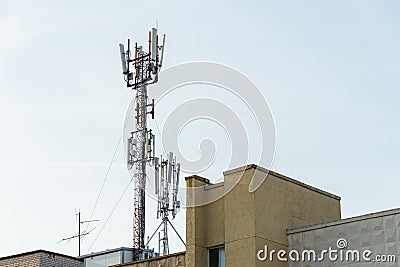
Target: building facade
[40,258]
[230,230]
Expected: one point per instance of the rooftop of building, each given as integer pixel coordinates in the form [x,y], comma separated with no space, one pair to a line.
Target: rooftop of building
[103,252]
[266,171]
[38,251]
[344,221]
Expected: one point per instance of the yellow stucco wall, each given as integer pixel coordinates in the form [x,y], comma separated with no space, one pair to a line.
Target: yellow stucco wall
[244,221]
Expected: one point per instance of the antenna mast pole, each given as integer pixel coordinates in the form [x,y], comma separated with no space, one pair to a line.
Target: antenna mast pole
[166,188]
[79,234]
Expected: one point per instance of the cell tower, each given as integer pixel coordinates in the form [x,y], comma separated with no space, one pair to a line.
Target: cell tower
[139,72]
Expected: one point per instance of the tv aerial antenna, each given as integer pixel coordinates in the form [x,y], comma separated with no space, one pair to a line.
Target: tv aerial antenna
[140,69]
[79,234]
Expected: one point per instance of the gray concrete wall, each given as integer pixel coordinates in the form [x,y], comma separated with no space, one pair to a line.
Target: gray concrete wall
[378,232]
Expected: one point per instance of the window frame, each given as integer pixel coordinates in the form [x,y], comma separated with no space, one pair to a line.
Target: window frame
[212,248]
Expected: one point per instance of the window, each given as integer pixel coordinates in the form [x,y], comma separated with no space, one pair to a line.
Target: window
[216,257]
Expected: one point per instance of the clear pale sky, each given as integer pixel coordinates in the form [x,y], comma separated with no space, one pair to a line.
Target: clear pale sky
[329,70]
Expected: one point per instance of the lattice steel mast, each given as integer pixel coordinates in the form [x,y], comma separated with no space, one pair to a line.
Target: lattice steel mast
[140,71]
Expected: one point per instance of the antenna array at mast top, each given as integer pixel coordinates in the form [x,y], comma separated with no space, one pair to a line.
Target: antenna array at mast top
[142,67]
